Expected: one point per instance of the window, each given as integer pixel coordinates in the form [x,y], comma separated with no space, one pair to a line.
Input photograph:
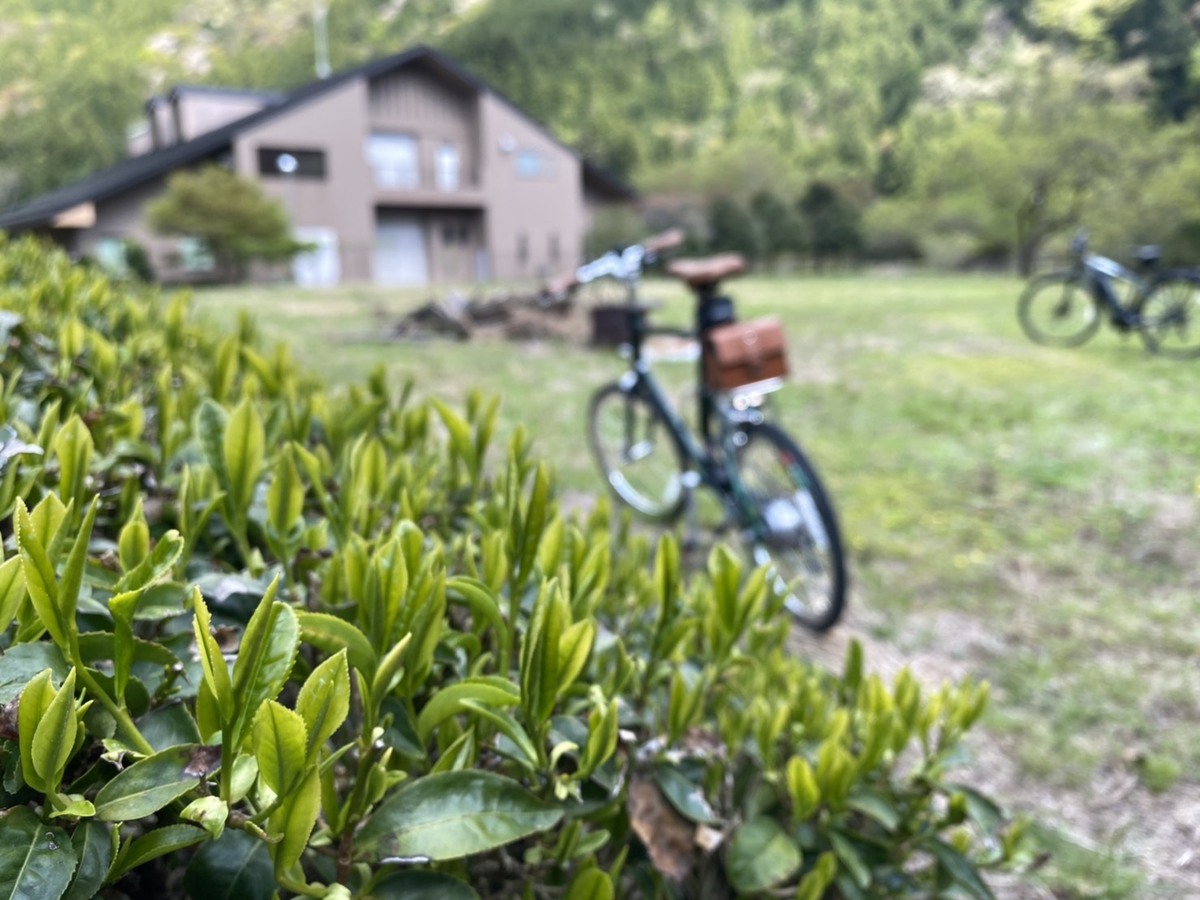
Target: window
[554,250]
[195,256]
[279,163]
[447,167]
[530,164]
[522,250]
[395,160]
[110,254]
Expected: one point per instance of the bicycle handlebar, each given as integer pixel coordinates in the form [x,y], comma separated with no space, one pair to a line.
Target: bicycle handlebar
[624,265]
[667,240]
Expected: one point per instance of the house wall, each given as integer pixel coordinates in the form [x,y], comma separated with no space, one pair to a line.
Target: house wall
[335,124]
[199,112]
[535,222]
[412,101]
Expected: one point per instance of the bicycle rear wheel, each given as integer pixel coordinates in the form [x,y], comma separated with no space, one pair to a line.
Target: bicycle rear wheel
[637,453]
[1170,316]
[794,529]
[1057,310]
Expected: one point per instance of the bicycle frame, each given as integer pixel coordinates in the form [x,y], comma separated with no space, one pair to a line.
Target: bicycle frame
[711,469]
[1100,272]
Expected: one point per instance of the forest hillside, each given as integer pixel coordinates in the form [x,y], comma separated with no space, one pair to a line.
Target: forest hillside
[958,131]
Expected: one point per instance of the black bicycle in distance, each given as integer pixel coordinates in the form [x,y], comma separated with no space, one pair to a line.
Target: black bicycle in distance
[1065,308]
[653,462]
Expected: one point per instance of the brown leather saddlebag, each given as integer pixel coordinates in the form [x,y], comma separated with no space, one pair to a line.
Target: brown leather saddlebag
[744,353]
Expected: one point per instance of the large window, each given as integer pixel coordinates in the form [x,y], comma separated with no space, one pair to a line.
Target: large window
[281,163]
[448,165]
[395,159]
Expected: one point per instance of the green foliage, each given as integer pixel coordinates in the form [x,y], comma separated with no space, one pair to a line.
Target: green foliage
[731,228]
[832,220]
[235,219]
[310,642]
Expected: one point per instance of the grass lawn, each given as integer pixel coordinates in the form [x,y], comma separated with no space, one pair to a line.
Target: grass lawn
[1022,514]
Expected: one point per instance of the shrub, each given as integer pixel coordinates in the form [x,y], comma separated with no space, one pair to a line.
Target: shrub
[261,637]
[732,229]
[834,223]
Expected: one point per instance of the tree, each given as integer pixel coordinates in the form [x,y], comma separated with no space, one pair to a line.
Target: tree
[781,231]
[232,215]
[833,221]
[731,229]
[1016,171]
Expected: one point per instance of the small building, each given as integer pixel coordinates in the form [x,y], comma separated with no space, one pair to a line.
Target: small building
[407,170]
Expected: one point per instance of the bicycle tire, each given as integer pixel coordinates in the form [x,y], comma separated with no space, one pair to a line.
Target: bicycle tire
[802,541]
[1057,310]
[1170,316]
[626,430]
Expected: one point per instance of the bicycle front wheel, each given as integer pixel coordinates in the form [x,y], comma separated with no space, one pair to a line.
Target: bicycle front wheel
[1170,316]
[637,453]
[794,532]
[1058,310]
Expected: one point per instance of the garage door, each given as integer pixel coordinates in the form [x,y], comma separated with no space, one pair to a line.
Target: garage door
[400,255]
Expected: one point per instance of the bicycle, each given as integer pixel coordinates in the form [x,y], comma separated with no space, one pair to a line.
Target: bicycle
[1065,308]
[653,462]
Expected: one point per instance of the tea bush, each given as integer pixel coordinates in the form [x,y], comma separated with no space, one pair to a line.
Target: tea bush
[260,639]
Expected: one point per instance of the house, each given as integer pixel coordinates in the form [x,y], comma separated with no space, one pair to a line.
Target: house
[406,170]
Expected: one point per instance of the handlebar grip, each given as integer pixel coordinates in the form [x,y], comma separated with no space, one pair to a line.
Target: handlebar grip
[665,241]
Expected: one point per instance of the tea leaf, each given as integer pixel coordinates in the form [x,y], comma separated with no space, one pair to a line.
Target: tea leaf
[39,577]
[264,659]
[295,820]
[482,602]
[237,866]
[285,496]
[812,886]
[133,543]
[510,728]
[154,844]
[244,449]
[959,868]
[324,701]
[280,740]
[209,813]
[54,738]
[452,815]
[72,577]
[93,845]
[761,855]
[36,860]
[574,648]
[422,885]
[35,700]
[12,591]
[155,565]
[331,634]
[74,447]
[150,784]
[216,672]
[211,421]
[590,884]
[449,701]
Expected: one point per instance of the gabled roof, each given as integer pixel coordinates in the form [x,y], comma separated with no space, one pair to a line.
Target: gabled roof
[131,172]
